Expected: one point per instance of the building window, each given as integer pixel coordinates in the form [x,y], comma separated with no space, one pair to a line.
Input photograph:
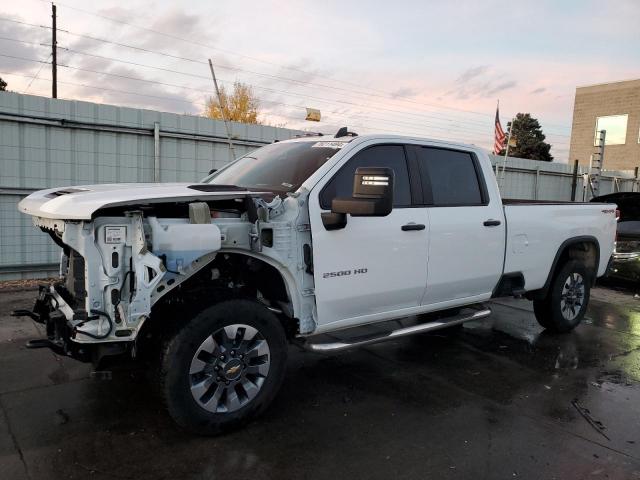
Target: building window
[616,127]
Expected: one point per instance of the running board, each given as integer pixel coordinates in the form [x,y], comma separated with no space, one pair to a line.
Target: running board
[402,332]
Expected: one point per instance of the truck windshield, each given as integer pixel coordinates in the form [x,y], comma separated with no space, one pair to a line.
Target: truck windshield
[279,167]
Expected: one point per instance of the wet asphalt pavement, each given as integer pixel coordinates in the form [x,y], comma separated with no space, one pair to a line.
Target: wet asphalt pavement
[499,399]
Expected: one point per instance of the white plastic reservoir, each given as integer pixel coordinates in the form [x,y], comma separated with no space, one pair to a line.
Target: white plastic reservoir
[182,242]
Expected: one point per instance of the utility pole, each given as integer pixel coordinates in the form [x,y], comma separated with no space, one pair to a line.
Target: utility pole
[54,56]
[224,118]
[574,181]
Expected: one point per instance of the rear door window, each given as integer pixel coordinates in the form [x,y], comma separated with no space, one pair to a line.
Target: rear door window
[449,177]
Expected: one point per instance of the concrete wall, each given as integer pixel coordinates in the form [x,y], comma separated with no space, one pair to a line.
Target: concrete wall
[47,143]
[602,100]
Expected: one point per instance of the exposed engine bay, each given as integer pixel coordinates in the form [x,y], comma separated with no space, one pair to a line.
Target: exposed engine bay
[131,263]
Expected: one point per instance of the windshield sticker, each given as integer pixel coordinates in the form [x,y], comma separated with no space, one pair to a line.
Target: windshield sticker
[336,145]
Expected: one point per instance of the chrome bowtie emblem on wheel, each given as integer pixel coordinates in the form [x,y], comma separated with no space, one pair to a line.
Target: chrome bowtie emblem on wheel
[229,368]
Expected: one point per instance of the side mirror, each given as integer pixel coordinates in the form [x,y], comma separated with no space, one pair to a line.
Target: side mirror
[372,197]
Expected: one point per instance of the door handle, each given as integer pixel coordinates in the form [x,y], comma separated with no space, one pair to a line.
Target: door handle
[491,223]
[413,226]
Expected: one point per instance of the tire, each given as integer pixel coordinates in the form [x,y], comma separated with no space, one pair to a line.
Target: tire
[566,302]
[250,356]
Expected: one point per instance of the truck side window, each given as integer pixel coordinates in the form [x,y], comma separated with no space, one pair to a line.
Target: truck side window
[449,176]
[392,156]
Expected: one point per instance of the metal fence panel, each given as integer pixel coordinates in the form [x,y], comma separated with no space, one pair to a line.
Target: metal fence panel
[532,179]
[48,143]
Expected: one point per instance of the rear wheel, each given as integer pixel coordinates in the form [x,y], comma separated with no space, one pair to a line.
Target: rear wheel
[224,367]
[566,302]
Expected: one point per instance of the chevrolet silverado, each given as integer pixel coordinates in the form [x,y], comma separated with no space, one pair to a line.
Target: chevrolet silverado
[298,239]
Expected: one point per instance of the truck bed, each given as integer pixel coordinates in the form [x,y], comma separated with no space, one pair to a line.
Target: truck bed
[537,229]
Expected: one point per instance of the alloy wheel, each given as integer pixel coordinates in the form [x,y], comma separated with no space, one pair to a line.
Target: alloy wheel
[229,368]
[572,296]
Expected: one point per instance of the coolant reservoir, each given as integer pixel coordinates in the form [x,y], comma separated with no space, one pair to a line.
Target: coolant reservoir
[182,242]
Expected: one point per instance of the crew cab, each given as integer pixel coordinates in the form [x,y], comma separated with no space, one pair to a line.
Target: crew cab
[300,238]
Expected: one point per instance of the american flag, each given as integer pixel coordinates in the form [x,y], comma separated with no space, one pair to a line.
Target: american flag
[500,137]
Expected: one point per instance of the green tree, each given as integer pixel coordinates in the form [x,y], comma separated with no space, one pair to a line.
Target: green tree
[239,106]
[3,85]
[528,138]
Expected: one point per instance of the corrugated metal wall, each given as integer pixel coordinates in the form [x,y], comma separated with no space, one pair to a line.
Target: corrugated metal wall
[48,143]
[535,180]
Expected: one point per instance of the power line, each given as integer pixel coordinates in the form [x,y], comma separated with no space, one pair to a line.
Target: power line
[231,68]
[281,115]
[199,76]
[446,129]
[12,20]
[295,81]
[168,70]
[368,127]
[428,126]
[176,37]
[133,47]
[37,44]
[267,75]
[464,135]
[36,75]
[299,82]
[251,72]
[137,94]
[22,58]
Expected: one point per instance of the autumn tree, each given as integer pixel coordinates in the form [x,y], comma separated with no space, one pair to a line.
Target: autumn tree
[3,85]
[528,138]
[239,106]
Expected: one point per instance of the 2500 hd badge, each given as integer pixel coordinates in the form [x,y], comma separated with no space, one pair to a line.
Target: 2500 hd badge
[344,273]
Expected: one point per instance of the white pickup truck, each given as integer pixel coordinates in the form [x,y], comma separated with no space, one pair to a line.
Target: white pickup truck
[299,238]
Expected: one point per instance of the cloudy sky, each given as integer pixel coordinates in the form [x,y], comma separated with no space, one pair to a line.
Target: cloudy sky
[416,67]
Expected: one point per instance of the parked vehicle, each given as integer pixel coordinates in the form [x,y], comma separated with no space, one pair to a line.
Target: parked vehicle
[625,262]
[300,238]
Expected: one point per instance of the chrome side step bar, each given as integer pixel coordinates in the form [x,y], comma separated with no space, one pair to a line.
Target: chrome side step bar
[390,335]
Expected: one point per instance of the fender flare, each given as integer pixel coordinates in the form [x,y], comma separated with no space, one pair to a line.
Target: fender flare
[563,247]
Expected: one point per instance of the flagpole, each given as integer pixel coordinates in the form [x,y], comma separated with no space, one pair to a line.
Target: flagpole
[494,134]
[506,154]
[506,151]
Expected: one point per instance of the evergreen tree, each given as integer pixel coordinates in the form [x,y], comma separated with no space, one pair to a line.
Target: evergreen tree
[528,138]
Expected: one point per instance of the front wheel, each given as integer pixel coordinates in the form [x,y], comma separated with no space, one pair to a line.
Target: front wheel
[224,367]
[566,302]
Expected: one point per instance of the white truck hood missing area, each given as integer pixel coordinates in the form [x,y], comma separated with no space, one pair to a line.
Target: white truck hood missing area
[81,202]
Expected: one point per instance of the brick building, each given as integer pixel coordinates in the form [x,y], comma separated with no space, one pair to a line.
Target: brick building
[614,107]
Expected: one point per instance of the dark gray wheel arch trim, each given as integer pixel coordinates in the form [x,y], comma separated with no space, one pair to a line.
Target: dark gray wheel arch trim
[563,247]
